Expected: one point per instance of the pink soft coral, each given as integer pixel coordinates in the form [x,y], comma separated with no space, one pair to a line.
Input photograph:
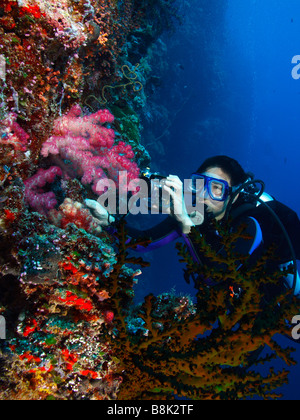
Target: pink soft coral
[89,146]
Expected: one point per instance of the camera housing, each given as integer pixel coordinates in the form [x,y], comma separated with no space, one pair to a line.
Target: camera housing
[155,180]
[149,176]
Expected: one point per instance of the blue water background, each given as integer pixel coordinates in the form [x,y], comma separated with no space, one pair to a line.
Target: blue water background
[231,92]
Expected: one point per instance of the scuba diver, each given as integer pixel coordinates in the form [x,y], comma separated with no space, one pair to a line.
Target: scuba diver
[228,194]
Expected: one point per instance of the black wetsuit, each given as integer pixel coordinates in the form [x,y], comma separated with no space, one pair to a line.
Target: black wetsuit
[169,230]
[262,229]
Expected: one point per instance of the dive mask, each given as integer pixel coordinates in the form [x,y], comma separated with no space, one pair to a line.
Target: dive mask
[217,189]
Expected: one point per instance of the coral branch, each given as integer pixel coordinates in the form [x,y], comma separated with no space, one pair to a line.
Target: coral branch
[172,347]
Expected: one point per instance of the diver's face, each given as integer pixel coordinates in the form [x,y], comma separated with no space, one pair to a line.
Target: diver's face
[216,208]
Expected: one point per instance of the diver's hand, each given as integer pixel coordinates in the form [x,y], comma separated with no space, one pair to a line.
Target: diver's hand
[101,215]
[174,186]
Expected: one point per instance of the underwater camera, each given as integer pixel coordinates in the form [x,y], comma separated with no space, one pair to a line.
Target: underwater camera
[149,176]
[158,201]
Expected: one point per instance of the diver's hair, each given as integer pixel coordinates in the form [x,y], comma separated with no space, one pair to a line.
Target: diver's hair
[229,165]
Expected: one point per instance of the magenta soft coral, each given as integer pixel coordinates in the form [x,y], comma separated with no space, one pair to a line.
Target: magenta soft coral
[89,145]
[34,194]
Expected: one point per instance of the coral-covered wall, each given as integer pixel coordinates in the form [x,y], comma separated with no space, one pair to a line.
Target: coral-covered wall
[65,71]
